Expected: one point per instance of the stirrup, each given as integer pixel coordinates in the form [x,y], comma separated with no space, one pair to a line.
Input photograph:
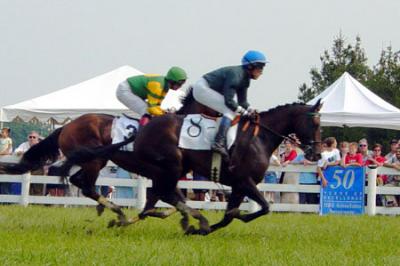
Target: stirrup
[221,150]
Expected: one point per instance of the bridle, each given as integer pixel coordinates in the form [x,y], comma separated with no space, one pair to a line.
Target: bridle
[255,119]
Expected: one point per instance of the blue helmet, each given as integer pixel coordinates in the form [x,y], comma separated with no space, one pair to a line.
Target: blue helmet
[254,58]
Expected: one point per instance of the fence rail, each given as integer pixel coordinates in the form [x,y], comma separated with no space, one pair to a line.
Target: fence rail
[141,184]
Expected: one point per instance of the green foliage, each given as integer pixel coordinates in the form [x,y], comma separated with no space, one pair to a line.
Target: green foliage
[39,235]
[343,58]
[383,79]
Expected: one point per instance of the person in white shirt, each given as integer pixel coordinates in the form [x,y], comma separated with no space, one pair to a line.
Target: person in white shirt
[329,157]
[393,148]
[33,138]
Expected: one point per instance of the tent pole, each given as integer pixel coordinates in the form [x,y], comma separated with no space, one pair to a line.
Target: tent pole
[344,132]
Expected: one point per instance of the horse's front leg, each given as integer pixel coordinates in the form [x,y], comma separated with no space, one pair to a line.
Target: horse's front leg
[232,210]
[249,189]
[253,193]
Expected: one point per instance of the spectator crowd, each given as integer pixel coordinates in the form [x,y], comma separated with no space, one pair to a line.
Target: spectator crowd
[344,155]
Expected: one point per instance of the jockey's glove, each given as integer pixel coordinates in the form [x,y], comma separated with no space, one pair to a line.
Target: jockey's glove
[171,110]
[240,110]
[251,110]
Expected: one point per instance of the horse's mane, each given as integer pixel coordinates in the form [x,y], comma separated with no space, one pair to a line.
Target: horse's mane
[283,106]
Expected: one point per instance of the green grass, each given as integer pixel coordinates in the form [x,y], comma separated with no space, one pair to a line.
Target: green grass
[76,236]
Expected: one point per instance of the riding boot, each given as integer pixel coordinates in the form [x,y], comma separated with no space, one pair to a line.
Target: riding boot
[144,120]
[220,139]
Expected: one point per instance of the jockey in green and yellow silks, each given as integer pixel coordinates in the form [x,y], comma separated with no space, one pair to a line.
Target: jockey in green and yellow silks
[144,94]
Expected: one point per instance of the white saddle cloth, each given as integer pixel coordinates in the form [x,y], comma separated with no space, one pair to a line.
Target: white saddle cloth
[122,128]
[198,132]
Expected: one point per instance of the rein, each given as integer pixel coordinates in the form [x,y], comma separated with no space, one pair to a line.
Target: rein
[256,121]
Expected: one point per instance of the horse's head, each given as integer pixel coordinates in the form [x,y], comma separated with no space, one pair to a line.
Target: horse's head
[308,130]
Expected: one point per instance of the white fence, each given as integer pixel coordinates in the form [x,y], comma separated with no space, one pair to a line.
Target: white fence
[142,183]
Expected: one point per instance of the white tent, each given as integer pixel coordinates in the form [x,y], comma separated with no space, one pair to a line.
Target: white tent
[96,95]
[348,102]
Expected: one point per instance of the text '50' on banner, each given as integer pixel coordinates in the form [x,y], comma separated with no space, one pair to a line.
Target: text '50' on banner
[344,193]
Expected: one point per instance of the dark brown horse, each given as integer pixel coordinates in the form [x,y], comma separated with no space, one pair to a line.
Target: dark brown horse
[156,150]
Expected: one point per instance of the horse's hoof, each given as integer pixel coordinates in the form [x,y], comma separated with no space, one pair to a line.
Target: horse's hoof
[100,209]
[190,231]
[202,232]
[112,223]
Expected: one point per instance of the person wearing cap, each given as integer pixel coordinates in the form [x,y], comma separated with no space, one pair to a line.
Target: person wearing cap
[217,90]
[393,148]
[144,94]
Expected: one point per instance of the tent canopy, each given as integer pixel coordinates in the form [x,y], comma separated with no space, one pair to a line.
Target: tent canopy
[96,95]
[348,103]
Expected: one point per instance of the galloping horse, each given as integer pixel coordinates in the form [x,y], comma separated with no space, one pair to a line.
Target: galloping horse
[156,150]
[89,130]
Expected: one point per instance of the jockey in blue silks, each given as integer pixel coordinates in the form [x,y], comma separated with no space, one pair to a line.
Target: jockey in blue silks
[218,88]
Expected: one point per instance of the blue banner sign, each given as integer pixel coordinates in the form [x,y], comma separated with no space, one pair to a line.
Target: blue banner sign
[344,193]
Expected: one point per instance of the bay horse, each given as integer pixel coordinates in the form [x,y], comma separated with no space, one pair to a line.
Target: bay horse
[156,150]
[88,130]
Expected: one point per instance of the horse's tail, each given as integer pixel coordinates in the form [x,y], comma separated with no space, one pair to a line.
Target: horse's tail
[86,154]
[36,157]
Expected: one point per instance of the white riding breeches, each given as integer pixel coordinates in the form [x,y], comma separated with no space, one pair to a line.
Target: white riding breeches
[130,100]
[211,98]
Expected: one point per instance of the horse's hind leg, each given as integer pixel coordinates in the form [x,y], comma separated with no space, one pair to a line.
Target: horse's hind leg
[176,199]
[87,180]
[149,210]
[77,180]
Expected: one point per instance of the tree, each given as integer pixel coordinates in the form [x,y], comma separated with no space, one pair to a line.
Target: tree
[383,79]
[343,58]
[385,82]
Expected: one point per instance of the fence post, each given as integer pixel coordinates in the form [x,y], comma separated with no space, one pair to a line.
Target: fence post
[371,201]
[25,184]
[141,192]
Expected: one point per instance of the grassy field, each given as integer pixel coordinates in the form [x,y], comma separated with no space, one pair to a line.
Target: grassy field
[75,236]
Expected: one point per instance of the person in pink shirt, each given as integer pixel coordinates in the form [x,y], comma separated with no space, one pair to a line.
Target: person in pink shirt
[289,154]
[378,160]
[353,158]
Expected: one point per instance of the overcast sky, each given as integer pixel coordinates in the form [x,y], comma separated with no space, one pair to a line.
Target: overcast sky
[46,45]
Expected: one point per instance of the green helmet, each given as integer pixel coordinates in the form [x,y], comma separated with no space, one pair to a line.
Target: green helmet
[176,74]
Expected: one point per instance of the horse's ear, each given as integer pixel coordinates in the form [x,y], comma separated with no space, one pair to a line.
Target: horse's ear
[317,106]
